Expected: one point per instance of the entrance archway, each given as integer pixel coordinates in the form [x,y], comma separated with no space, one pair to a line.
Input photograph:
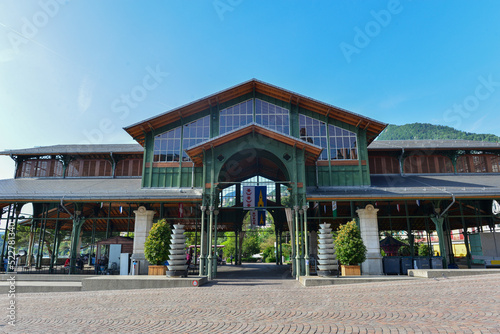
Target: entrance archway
[250,167]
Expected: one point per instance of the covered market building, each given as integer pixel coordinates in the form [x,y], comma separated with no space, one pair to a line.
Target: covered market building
[319,163]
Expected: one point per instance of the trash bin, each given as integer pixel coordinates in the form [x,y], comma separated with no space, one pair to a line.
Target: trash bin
[406,263]
[421,263]
[391,265]
[436,262]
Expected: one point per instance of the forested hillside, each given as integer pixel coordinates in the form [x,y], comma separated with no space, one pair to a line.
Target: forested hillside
[430,131]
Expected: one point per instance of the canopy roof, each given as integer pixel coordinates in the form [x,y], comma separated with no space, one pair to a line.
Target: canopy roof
[88,189]
[415,187]
[373,127]
[77,149]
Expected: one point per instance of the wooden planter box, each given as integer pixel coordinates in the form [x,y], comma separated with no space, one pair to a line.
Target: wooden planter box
[351,270]
[157,270]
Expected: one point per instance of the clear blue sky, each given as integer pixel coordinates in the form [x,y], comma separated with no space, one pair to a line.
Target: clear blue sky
[66,67]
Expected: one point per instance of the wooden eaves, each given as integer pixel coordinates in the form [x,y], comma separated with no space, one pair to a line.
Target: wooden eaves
[373,127]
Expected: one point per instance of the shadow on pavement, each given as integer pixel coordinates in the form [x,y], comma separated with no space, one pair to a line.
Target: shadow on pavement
[248,272]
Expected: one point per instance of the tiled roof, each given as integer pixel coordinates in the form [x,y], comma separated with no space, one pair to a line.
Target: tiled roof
[77,149]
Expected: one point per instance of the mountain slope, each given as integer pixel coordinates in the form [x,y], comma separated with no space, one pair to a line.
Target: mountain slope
[430,131]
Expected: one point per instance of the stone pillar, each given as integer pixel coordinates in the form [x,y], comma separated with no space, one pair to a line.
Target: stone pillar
[369,232]
[143,223]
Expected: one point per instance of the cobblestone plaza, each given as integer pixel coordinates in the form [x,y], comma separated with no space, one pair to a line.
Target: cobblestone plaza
[246,300]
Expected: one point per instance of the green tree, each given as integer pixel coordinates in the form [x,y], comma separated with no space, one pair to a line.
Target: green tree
[229,247]
[423,250]
[251,245]
[430,131]
[287,251]
[269,253]
[349,246]
[156,247]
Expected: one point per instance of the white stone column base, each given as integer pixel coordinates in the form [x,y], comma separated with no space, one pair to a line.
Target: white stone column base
[368,224]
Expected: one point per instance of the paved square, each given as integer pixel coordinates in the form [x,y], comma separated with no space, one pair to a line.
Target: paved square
[269,304]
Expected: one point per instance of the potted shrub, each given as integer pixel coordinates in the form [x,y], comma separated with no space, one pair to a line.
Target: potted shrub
[156,247]
[350,249]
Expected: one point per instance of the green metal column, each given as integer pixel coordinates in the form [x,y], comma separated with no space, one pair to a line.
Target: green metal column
[46,209]
[294,249]
[466,237]
[216,255]
[78,222]
[276,242]
[306,237]
[56,230]
[107,222]
[128,220]
[92,239]
[210,252]
[439,222]
[302,237]
[58,242]
[38,260]
[203,236]
[236,233]
[297,254]
[196,242]
[281,247]
[449,242]
[411,239]
[31,243]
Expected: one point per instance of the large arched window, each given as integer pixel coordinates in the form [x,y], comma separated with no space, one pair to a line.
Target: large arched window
[272,116]
[235,116]
[266,114]
[343,144]
[314,132]
[167,146]
[194,133]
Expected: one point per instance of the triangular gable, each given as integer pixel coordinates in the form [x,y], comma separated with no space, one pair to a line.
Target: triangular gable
[196,152]
[138,130]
